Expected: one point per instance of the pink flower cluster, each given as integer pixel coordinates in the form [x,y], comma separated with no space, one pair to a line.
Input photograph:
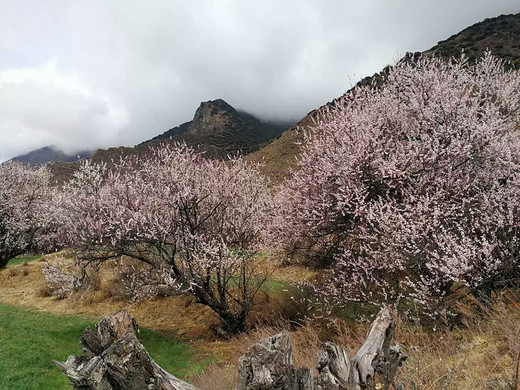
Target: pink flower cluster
[27,215]
[196,221]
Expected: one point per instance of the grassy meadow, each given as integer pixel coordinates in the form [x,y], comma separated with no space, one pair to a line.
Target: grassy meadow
[23,259]
[30,340]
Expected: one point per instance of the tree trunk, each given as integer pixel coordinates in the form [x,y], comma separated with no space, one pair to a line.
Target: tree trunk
[114,359]
[6,255]
[3,262]
[233,324]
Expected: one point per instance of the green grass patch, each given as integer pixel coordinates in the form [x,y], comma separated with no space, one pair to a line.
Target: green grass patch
[30,340]
[22,259]
[275,286]
[174,356]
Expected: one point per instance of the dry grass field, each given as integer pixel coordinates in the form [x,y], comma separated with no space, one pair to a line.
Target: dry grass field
[481,353]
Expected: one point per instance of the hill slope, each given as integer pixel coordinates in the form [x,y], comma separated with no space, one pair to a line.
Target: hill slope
[49,153]
[501,35]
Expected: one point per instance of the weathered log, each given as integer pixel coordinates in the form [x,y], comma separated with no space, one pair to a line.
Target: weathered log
[376,356]
[115,359]
[268,364]
[333,367]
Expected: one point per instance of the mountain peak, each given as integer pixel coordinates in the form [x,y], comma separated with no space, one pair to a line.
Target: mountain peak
[211,117]
[219,104]
[219,129]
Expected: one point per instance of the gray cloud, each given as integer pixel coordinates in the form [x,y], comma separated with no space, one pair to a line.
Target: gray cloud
[80,73]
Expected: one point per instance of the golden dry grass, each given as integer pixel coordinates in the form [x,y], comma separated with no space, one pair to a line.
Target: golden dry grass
[24,286]
[480,354]
[278,157]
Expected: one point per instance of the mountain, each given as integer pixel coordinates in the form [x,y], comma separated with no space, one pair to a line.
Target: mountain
[217,129]
[220,130]
[500,35]
[49,153]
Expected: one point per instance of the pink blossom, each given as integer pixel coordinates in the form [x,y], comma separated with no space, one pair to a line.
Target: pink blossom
[405,190]
[27,216]
[174,209]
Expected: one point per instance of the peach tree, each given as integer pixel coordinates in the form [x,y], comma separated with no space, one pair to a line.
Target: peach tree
[406,191]
[196,221]
[27,220]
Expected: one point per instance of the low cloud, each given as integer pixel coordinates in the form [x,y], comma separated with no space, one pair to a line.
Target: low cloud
[43,106]
[84,74]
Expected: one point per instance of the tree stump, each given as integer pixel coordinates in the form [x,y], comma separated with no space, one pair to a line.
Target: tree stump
[376,356]
[268,364]
[115,359]
[333,367]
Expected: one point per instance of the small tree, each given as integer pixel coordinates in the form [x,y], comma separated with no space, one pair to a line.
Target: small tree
[199,218]
[26,219]
[405,190]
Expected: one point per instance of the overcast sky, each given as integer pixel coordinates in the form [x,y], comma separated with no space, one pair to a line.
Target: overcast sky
[96,73]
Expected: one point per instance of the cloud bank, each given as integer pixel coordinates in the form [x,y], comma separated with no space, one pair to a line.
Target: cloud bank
[85,74]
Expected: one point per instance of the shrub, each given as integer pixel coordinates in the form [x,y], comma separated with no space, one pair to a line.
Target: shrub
[139,280]
[65,276]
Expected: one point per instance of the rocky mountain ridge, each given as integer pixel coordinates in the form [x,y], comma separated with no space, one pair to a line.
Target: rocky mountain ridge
[220,129]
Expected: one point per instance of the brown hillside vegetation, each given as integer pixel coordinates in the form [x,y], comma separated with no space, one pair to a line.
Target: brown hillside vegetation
[280,156]
[501,35]
[64,171]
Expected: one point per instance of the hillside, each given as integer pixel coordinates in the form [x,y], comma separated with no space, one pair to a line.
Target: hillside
[501,35]
[217,129]
[50,153]
[221,129]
